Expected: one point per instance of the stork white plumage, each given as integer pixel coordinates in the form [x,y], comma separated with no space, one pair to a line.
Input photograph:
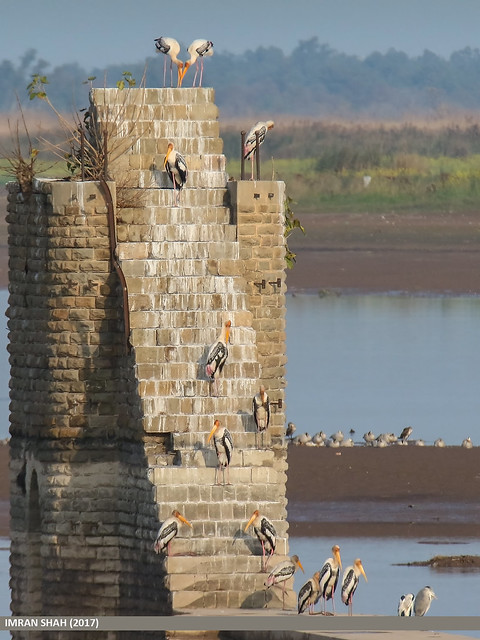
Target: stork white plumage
[218,354]
[281,573]
[350,580]
[261,411]
[171,48]
[177,170]
[265,532]
[329,574]
[423,600]
[405,606]
[291,428]
[308,594]
[250,146]
[223,443]
[168,531]
[198,50]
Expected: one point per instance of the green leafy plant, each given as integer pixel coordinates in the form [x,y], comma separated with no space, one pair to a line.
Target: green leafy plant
[291,223]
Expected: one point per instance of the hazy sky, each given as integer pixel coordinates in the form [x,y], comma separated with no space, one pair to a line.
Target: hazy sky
[96,33]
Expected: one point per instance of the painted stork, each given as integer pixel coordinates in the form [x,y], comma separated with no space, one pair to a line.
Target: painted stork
[405,606]
[223,443]
[422,601]
[171,48]
[281,573]
[265,532]
[177,170]
[308,594]
[350,580]
[329,574]
[261,410]
[251,139]
[168,531]
[218,354]
[199,49]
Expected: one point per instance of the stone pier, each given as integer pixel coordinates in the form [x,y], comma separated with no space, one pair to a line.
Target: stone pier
[106,440]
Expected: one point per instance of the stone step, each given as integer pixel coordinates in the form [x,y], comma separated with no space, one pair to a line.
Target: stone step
[153,216]
[194,232]
[203,198]
[157,178]
[221,564]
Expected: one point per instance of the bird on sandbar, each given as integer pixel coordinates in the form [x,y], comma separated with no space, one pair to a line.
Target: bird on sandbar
[405,606]
[350,580]
[467,443]
[171,48]
[308,594]
[406,433]
[265,532]
[329,574]
[261,410]
[291,428]
[281,573]
[250,146]
[177,170]
[423,600]
[217,355]
[223,443]
[198,50]
[168,531]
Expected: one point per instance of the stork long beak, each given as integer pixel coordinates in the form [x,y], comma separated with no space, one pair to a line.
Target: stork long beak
[169,151]
[180,74]
[187,64]
[300,565]
[215,427]
[180,517]
[250,522]
[339,560]
[363,572]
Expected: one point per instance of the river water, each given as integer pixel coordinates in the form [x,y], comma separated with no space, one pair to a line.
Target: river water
[377,363]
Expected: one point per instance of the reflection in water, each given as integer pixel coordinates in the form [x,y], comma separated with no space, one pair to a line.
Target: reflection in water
[382,363]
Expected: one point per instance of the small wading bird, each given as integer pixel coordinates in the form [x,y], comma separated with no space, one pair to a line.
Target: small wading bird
[308,594]
[329,574]
[422,601]
[199,49]
[281,573]
[405,606]
[261,411]
[265,532]
[168,531]
[250,146]
[350,583]
[217,355]
[177,170]
[171,48]
[406,433]
[223,443]
[291,428]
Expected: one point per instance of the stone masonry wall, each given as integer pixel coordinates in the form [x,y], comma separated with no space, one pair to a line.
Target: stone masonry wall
[106,443]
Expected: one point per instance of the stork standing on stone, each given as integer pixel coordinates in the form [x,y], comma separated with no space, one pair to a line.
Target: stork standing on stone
[329,574]
[171,48]
[350,580]
[168,531]
[261,411]
[177,170]
[281,573]
[250,147]
[198,50]
[308,594]
[217,355]
[265,532]
[223,443]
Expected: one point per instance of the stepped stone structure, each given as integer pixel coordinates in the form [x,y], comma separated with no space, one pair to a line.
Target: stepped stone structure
[110,404]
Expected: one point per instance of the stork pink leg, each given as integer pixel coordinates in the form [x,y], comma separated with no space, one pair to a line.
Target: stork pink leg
[201,72]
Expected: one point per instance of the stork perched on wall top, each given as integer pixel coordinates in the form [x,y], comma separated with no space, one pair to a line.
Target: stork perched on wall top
[171,48]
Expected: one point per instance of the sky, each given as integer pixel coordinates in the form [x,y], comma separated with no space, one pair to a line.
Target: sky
[98,33]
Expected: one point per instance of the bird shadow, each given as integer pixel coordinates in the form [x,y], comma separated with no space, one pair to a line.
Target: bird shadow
[252,544]
[207,452]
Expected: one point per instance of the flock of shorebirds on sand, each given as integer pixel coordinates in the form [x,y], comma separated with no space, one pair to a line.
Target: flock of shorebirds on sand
[338,439]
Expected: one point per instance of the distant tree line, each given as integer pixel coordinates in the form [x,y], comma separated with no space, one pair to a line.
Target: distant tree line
[312,81]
